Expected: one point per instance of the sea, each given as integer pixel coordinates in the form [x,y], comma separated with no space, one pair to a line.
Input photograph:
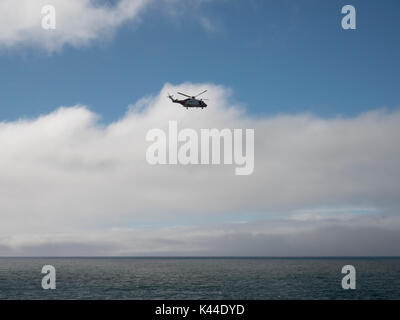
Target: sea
[200,278]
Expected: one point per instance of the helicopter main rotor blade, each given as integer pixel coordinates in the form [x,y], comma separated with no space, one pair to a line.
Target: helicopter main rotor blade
[184,95]
[201,93]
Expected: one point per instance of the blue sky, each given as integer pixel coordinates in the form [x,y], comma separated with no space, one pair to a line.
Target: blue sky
[277,56]
[326,177]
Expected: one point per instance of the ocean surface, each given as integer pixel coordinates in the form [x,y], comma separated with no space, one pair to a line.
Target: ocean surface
[200,278]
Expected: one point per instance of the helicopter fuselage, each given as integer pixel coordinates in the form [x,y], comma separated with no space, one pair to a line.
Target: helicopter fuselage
[191,103]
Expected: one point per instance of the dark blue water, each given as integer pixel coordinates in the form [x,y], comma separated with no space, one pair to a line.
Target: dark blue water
[199,278]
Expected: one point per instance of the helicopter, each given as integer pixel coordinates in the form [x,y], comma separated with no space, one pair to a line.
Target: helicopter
[191,101]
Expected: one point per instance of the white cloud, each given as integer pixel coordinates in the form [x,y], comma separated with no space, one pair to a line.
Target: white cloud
[69,183]
[79,22]
[207,24]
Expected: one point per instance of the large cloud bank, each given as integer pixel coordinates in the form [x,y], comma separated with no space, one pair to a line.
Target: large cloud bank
[70,185]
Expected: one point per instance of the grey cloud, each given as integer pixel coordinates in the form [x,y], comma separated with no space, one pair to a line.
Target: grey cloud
[361,236]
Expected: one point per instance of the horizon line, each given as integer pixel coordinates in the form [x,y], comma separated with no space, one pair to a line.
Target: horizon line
[209,257]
